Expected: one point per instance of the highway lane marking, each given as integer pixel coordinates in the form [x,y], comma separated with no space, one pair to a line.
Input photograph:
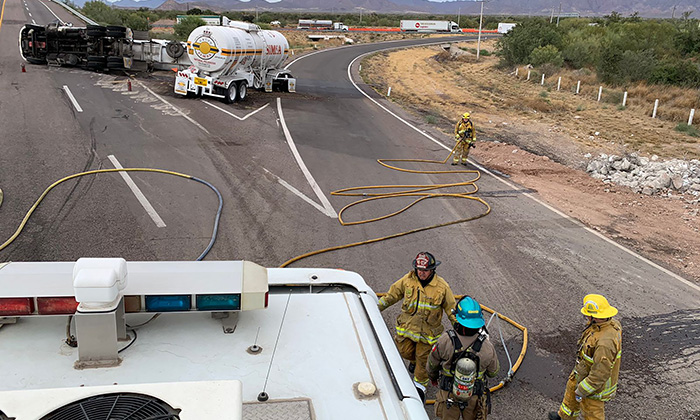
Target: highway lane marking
[49,9]
[2,13]
[234,115]
[530,196]
[72,99]
[137,192]
[30,14]
[317,190]
[178,110]
[33,21]
[300,194]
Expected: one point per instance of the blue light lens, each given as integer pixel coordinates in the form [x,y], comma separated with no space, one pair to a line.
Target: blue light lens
[168,303]
[219,302]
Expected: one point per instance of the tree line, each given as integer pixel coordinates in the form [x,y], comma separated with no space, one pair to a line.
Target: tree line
[621,50]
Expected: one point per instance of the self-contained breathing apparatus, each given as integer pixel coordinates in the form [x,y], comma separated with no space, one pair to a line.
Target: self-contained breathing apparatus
[464,367]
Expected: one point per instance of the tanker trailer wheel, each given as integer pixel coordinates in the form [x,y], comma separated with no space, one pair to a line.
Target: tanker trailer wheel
[231,93]
[242,90]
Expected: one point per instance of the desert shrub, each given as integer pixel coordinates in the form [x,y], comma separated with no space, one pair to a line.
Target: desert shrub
[549,54]
[676,72]
[516,46]
[688,129]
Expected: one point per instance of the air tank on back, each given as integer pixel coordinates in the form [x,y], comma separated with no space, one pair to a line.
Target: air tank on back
[237,47]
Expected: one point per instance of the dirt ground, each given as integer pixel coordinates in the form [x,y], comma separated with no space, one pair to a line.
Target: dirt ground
[540,137]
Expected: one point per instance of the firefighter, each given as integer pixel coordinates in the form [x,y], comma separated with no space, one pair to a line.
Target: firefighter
[463,393]
[594,379]
[465,136]
[425,296]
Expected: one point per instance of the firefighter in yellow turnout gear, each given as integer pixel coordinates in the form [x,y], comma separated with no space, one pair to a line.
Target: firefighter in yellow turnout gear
[465,136]
[460,363]
[593,381]
[425,296]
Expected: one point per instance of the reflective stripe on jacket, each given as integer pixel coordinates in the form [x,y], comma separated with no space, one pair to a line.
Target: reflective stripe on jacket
[598,364]
[421,311]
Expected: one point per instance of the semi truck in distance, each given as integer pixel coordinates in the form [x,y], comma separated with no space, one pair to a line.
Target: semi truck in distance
[227,60]
[321,25]
[429,26]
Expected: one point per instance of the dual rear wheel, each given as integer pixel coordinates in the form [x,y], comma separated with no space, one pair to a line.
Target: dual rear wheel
[237,91]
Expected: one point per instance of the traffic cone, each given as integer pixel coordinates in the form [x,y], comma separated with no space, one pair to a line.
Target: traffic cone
[24,70]
[128,85]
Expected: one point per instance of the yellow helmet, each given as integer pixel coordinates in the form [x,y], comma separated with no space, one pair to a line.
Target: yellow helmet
[597,307]
[466,115]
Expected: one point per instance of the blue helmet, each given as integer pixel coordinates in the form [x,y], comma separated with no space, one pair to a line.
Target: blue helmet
[468,313]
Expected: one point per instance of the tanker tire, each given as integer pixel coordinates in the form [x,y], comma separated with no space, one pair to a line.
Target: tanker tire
[242,90]
[96,31]
[231,95]
[115,34]
[121,29]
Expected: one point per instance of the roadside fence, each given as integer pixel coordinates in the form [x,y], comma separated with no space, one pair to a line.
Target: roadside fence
[613,97]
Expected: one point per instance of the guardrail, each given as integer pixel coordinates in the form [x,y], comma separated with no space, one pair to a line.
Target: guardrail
[75,12]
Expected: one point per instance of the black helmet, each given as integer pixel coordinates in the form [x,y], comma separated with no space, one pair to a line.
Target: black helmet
[425,261]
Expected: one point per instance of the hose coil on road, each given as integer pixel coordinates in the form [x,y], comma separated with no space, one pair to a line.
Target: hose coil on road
[422,192]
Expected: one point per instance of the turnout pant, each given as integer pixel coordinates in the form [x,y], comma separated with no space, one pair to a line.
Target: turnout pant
[588,409]
[417,353]
[461,152]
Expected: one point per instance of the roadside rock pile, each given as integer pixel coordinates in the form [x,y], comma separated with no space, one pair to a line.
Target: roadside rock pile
[648,175]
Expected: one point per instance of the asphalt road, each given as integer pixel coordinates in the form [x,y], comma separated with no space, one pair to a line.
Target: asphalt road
[525,260]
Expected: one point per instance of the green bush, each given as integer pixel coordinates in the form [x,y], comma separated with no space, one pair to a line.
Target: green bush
[688,129]
[549,54]
[676,72]
[187,25]
[516,46]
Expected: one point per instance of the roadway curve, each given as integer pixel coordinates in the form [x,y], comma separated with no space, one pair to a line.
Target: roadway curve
[524,259]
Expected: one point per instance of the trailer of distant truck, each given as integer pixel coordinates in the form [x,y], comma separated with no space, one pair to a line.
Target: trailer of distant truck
[321,25]
[505,27]
[429,26]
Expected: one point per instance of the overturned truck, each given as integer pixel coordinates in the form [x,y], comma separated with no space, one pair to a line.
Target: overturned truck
[222,62]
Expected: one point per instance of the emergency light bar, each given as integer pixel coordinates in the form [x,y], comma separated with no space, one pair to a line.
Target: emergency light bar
[92,284]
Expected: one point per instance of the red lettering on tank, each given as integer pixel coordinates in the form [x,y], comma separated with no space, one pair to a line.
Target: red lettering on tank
[274,49]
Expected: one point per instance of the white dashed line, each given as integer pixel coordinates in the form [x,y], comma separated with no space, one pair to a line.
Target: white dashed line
[72,99]
[137,192]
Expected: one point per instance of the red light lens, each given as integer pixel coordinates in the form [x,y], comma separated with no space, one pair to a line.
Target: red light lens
[266,296]
[56,305]
[16,306]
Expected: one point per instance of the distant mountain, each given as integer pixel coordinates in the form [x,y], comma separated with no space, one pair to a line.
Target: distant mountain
[647,8]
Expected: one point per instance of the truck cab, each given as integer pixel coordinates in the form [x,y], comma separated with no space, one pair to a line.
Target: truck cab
[195,340]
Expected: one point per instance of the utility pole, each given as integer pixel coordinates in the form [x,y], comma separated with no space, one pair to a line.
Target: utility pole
[551,18]
[256,13]
[559,14]
[360,15]
[673,14]
[459,15]
[478,42]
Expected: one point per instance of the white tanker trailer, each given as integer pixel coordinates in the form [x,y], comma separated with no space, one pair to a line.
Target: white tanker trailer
[227,60]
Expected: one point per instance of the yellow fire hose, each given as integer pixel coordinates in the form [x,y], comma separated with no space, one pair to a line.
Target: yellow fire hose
[422,193]
[97,171]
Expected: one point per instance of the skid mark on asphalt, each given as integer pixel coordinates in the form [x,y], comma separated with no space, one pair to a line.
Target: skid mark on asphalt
[141,96]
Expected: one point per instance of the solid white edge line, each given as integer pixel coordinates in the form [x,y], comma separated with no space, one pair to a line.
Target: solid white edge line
[300,194]
[178,110]
[232,114]
[137,192]
[309,178]
[49,9]
[72,99]
[600,235]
